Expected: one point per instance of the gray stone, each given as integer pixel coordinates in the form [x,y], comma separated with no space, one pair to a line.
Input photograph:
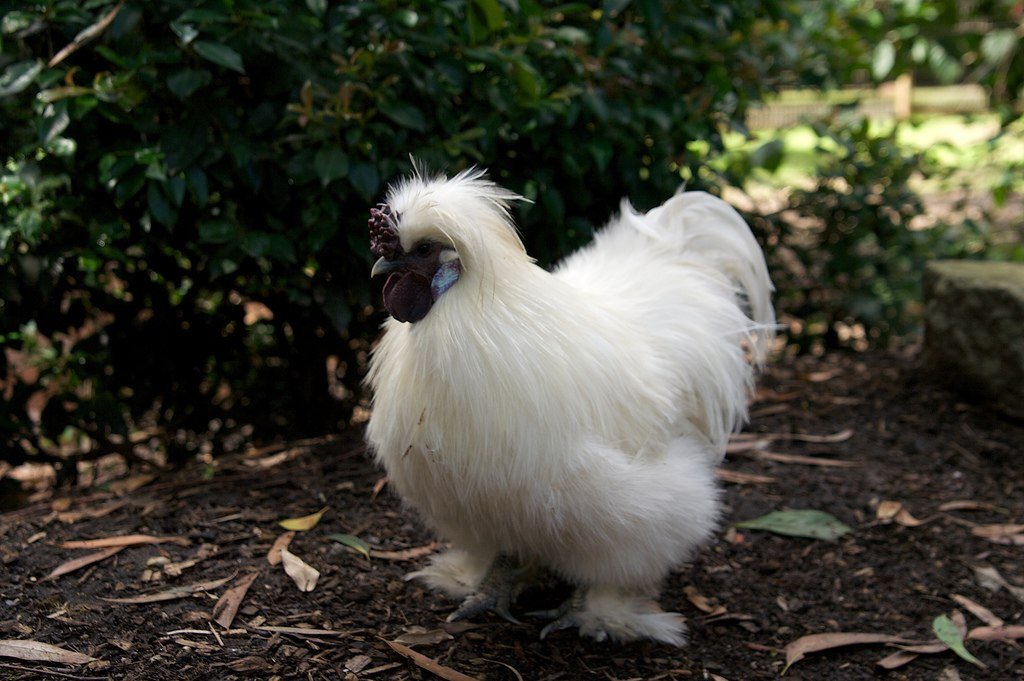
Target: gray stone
[974,329]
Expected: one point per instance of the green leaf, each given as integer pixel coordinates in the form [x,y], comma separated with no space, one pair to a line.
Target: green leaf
[219,53]
[217,232]
[198,184]
[488,15]
[330,164]
[186,32]
[16,21]
[405,114]
[19,76]
[55,122]
[365,178]
[947,632]
[407,17]
[883,59]
[769,155]
[527,79]
[159,207]
[259,244]
[317,7]
[337,310]
[998,45]
[803,523]
[185,82]
[352,542]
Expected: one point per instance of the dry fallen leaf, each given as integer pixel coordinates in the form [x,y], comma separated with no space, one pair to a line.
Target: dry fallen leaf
[358,663]
[418,636]
[81,562]
[131,484]
[124,540]
[282,542]
[301,631]
[897,659]
[306,522]
[34,651]
[989,578]
[970,505]
[806,460]
[1002,633]
[227,605]
[172,594]
[1012,534]
[979,611]
[889,511]
[432,666]
[304,575]
[405,554]
[69,517]
[814,643]
[702,603]
[739,478]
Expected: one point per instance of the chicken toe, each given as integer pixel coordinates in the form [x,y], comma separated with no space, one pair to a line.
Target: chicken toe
[498,590]
[603,613]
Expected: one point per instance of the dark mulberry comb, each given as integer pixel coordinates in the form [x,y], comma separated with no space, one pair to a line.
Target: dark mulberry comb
[384,240]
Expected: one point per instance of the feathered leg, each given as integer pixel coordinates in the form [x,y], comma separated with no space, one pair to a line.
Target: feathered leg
[610,613]
[501,585]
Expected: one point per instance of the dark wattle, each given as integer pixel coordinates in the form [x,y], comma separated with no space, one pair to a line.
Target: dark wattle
[407,296]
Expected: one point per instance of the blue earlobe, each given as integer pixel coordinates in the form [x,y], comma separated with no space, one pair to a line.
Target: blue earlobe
[446,275]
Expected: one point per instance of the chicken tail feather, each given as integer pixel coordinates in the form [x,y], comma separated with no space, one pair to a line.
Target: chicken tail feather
[708,231]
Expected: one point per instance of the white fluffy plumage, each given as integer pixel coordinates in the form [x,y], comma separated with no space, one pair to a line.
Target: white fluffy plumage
[571,419]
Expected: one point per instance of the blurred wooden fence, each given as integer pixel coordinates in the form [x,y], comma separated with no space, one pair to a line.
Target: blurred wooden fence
[898,99]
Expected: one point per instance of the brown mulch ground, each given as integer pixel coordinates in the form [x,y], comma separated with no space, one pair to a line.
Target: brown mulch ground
[910,441]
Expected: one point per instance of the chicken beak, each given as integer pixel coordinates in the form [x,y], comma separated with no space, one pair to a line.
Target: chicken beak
[385,266]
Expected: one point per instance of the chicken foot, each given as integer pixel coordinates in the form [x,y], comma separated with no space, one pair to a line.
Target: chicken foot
[567,615]
[604,612]
[498,590]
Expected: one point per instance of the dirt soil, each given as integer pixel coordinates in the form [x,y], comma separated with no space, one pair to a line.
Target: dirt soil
[918,473]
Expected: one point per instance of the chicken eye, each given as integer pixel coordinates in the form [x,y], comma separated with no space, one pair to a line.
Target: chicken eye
[424,249]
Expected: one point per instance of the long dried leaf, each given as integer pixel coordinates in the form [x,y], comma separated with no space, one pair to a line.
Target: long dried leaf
[304,575]
[702,603]
[405,554]
[897,659]
[1002,633]
[306,522]
[123,540]
[301,631]
[815,643]
[432,666]
[172,594]
[1012,534]
[35,651]
[227,606]
[282,542]
[740,478]
[85,35]
[991,579]
[805,460]
[970,505]
[81,562]
[417,636]
[979,611]
[830,439]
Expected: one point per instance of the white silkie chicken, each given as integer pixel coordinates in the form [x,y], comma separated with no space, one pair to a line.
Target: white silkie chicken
[568,421]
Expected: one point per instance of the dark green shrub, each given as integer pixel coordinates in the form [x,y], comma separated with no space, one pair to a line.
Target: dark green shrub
[184,191]
[849,250]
